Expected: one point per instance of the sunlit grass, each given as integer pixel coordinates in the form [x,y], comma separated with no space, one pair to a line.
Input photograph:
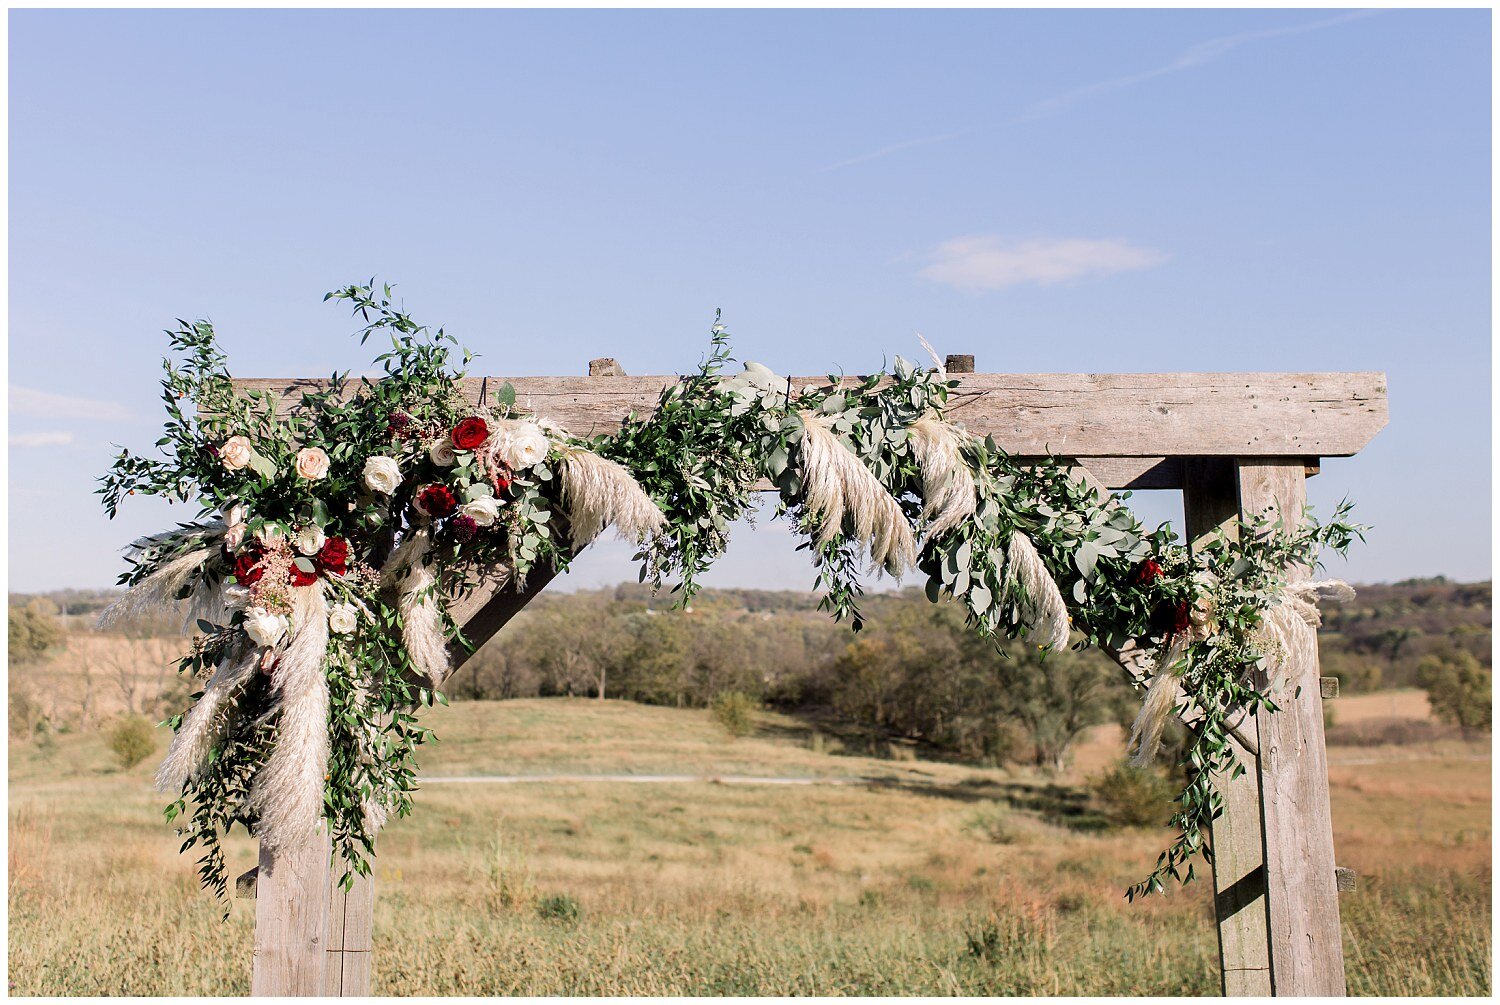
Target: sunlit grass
[944,880]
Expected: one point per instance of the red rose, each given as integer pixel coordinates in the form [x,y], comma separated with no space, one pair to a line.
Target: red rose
[436,501]
[1146,573]
[297,577]
[470,433]
[1172,619]
[247,568]
[500,476]
[334,556]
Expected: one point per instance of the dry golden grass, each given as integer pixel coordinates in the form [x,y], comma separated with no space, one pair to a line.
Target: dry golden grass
[941,880]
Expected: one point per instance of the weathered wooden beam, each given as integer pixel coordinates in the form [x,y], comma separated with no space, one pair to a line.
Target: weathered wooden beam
[1071,414]
[1307,955]
[291,920]
[1210,502]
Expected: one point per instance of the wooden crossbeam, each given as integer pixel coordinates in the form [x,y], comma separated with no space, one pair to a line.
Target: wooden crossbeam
[1159,417]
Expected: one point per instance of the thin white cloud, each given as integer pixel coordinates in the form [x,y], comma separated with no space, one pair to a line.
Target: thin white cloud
[982,263]
[39,404]
[50,439]
[1196,55]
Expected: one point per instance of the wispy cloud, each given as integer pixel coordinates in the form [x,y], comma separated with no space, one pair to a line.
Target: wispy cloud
[1196,55]
[49,439]
[47,405]
[982,263]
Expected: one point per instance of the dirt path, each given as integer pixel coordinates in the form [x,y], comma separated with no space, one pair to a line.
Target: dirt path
[717,779]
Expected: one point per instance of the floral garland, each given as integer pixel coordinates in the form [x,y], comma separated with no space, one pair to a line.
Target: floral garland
[334,537]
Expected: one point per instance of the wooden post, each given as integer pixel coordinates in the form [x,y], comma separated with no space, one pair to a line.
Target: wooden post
[291,920]
[1210,500]
[346,972]
[1307,954]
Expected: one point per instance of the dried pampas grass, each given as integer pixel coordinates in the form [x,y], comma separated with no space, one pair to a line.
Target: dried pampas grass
[1028,582]
[288,791]
[1162,697]
[837,485]
[948,492]
[1289,630]
[421,621]
[600,492]
[203,724]
[159,591]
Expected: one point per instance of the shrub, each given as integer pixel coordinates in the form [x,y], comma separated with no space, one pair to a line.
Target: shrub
[1128,796]
[33,633]
[1458,688]
[133,740]
[558,907]
[735,711]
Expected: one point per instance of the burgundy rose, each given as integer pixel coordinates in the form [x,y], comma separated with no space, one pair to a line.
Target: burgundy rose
[436,501]
[247,568]
[298,576]
[1146,573]
[500,476]
[470,433]
[1172,619]
[464,528]
[333,556]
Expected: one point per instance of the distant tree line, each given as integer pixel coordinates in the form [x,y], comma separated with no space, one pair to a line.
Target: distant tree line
[914,675]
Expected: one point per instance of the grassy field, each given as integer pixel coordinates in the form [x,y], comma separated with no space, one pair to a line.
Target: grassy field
[942,879]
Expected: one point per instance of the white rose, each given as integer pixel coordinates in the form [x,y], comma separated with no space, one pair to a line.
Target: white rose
[484,512]
[442,453]
[343,618]
[270,535]
[265,628]
[520,444]
[312,463]
[236,452]
[234,526]
[236,596]
[309,539]
[382,475]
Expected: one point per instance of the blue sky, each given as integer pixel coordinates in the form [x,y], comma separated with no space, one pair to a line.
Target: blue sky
[1085,191]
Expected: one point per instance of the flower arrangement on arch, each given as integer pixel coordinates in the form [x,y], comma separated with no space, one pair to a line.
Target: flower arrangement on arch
[336,531]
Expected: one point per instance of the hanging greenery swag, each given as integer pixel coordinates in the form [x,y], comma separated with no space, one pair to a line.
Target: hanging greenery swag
[334,538]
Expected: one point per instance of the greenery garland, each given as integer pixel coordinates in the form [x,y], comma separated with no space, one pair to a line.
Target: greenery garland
[325,497]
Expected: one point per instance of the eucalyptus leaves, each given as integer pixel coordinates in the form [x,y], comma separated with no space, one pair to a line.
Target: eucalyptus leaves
[333,538]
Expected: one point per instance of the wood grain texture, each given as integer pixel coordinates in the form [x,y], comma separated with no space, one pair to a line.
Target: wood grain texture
[346,970]
[1307,955]
[1211,500]
[1069,414]
[291,920]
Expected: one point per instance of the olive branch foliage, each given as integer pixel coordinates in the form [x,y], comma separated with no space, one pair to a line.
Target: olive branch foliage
[699,455]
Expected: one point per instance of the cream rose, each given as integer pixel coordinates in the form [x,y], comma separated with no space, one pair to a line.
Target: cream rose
[270,535]
[343,618]
[309,539]
[383,475]
[483,511]
[442,453]
[236,452]
[234,526]
[236,596]
[264,627]
[312,463]
[520,444]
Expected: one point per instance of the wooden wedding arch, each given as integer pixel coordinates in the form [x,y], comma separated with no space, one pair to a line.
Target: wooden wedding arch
[1233,443]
